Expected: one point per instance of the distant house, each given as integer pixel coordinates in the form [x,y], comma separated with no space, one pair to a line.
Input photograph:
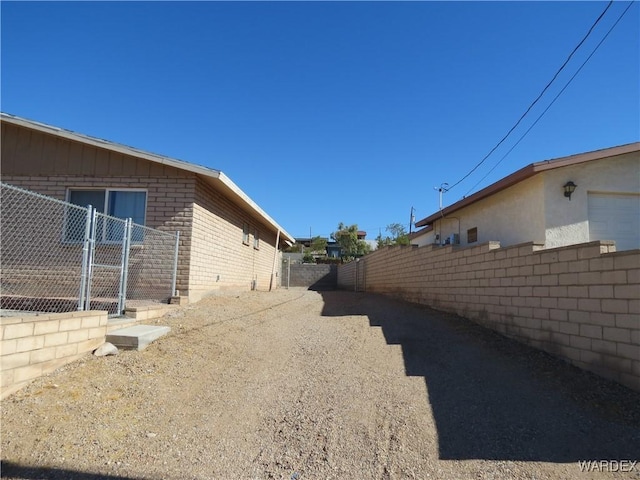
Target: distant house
[569,200]
[333,250]
[227,240]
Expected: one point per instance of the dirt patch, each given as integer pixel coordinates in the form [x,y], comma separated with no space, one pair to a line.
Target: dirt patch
[295,384]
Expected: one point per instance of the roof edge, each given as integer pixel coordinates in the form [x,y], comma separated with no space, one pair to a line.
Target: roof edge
[161,159]
[528,172]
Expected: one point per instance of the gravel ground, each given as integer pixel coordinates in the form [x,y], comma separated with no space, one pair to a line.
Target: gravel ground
[296,384]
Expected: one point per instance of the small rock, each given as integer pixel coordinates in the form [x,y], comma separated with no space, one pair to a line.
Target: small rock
[106,349]
[151,435]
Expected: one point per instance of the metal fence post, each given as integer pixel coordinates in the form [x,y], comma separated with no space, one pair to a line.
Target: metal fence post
[174,277]
[126,246]
[90,257]
[71,262]
[124,266]
[85,259]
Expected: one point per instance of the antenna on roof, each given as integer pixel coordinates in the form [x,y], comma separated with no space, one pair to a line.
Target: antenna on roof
[442,189]
[412,219]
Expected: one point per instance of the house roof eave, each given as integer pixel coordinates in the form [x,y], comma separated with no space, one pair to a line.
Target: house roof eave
[216,178]
[528,172]
[224,183]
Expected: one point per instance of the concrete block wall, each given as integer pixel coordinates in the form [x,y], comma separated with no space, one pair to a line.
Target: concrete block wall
[322,276]
[352,276]
[580,302]
[219,257]
[32,346]
[347,276]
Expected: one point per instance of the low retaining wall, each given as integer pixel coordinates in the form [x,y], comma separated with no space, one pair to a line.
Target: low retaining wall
[35,345]
[579,302]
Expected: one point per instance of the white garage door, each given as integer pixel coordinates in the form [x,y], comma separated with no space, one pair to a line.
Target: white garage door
[615,217]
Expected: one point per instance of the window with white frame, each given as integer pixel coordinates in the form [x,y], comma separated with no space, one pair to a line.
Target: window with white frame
[121,204]
[256,239]
[245,233]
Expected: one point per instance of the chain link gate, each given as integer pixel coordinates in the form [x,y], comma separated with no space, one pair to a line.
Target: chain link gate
[58,257]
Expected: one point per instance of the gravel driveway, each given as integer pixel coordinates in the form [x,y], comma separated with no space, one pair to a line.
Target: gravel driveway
[296,384]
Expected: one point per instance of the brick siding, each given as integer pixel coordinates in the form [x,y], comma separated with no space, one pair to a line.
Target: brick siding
[579,302]
[211,252]
[219,258]
[35,345]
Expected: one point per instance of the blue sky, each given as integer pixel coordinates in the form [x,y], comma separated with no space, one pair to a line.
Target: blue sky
[328,112]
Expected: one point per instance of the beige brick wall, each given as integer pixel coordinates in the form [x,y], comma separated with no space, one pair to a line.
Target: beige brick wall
[580,302]
[211,252]
[32,346]
[219,258]
[169,208]
[51,165]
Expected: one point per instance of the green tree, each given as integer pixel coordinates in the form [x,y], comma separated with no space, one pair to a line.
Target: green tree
[319,245]
[350,245]
[398,236]
[383,241]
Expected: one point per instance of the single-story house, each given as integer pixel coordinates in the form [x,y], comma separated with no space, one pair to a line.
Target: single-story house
[575,199]
[226,239]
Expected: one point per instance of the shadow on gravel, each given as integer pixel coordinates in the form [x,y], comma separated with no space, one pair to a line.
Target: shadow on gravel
[495,399]
[14,470]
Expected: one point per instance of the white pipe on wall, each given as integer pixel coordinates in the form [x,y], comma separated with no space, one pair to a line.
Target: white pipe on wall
[275,259]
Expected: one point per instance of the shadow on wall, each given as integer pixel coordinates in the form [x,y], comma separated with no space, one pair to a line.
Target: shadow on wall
[495,399]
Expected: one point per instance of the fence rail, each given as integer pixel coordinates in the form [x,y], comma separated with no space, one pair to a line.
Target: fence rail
[60,257]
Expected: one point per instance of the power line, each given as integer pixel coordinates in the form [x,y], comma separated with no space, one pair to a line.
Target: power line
[538,97]
[554,99]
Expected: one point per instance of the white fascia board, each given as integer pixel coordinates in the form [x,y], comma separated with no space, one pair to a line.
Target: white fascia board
[226,181]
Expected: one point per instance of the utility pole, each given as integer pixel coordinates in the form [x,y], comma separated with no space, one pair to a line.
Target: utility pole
[412,219]
[443,189]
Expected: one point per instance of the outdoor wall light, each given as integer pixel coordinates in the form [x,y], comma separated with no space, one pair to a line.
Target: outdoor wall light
[569,188]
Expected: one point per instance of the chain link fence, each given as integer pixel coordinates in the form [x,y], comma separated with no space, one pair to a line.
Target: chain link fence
[59,257]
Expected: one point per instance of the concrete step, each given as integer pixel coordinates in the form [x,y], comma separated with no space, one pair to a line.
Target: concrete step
[118,323]
[137,337]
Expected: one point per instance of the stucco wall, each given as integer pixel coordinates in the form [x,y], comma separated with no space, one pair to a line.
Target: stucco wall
[567,221]
[536,209]
[498,216]
[578,302]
